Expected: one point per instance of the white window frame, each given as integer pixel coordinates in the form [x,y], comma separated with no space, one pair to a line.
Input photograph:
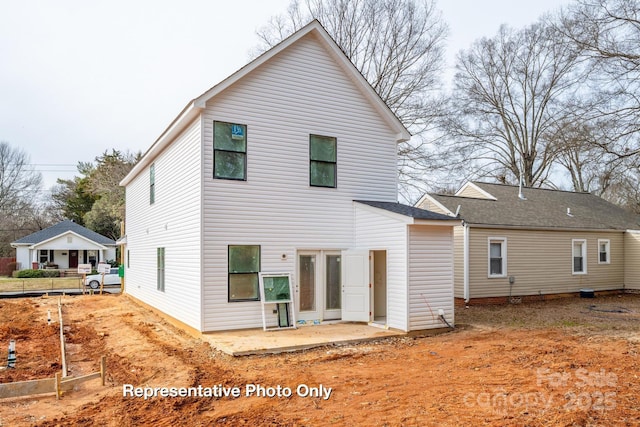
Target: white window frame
[503,253]
[584,256]
[608,243]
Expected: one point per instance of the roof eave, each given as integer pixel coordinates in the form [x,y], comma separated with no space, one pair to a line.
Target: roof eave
[402,134]
[389,214]
[488,195]
[427,196]
[36,244]
[186,116]
[542,228]
[453,222]
[194,107]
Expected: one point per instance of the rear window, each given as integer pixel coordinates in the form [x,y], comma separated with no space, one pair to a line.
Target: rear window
[114,271]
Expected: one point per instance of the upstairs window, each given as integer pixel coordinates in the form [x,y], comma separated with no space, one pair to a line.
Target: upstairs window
[229,151]
[497,257]
[604,246]
[244,266]
[152,183]
[579,256]
[322,161]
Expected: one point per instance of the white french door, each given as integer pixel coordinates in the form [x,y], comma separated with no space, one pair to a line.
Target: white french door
[318,286]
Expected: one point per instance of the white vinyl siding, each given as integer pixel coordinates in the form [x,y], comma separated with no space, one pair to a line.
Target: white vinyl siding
[299,92]
[458,262]
[541,263]
[379,230]
[419,267]
[579,256]
[173,222]
[430,276]
[23,257]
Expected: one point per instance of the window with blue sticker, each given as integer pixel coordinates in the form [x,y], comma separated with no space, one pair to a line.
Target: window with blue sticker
[229,151]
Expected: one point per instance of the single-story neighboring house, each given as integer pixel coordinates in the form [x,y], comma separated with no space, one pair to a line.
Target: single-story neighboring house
[535,242]
[286,167]
[64,245]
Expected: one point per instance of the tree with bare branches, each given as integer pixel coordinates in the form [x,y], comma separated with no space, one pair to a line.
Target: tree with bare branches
[511,93]
[397,45]
[608,33]
[19,186]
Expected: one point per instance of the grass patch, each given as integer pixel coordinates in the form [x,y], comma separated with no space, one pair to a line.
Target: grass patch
[39,284]
[567,324]
[517,323]
[608,314]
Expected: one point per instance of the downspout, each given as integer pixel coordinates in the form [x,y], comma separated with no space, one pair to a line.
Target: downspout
[465,260]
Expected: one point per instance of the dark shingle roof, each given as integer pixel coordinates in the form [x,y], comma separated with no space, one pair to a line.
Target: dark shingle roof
[406,210]
[542,208]
[61,228]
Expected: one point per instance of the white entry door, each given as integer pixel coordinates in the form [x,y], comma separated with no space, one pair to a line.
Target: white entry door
[318,285]
[355,286]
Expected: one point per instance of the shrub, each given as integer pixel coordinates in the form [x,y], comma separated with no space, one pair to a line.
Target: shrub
[30,274]
[35,274]
[51,273]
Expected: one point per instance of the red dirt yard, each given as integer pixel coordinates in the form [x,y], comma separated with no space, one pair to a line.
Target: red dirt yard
[569,363]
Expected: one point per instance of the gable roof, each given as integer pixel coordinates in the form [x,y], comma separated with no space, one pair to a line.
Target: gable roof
[195,106]
[62,228]
[409,211]
[472,188]
[543,208]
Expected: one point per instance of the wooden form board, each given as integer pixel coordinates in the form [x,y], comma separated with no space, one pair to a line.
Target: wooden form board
[49,385]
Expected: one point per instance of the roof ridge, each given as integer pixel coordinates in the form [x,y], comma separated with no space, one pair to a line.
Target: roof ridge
[533,188]
[461,197]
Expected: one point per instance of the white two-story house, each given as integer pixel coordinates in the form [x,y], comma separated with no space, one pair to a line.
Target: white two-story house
[290,166]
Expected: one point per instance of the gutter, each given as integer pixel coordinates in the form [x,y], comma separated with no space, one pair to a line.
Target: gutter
[542,228]
[465,257]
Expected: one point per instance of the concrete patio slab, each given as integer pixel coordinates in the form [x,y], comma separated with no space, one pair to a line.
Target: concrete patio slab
[257,341]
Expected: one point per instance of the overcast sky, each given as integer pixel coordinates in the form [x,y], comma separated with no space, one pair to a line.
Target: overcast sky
[80,77]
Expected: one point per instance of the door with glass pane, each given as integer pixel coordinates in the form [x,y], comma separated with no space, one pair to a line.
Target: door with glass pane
[332,286]
[318,288]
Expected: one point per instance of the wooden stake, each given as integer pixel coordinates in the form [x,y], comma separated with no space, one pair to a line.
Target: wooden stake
[62,346]
[103,368]
[58,386]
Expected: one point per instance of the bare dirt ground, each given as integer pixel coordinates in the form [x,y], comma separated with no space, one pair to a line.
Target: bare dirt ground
[571,362]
